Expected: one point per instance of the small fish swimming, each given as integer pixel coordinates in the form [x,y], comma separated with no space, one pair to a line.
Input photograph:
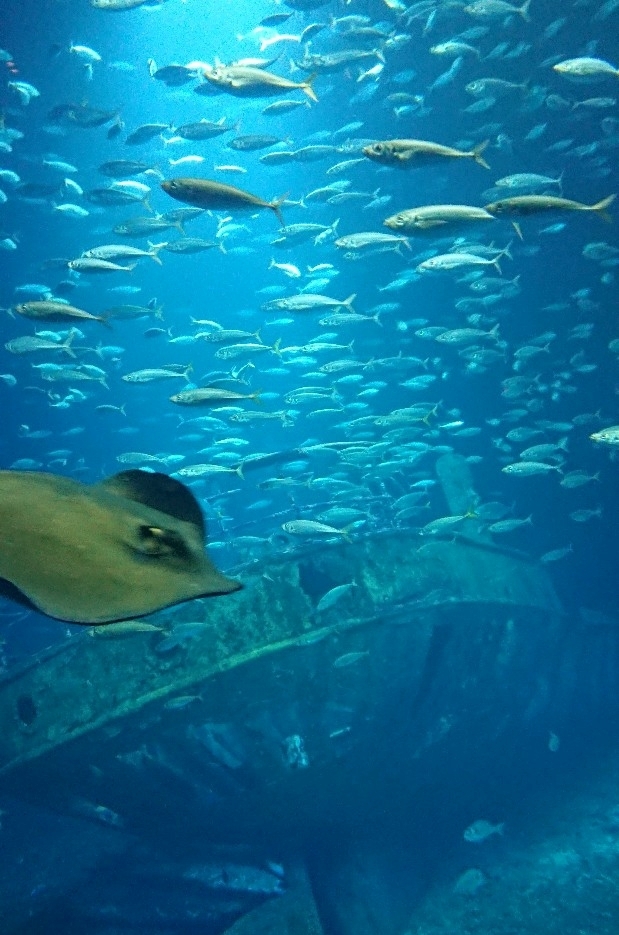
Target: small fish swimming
[481,830]
[349,659]
[586,69]
[433,218]
[210,396]
[608,436]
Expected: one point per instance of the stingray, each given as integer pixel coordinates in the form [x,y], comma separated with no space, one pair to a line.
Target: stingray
[93,554]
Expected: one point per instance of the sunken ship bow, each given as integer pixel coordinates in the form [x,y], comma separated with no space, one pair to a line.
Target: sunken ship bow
[316,745]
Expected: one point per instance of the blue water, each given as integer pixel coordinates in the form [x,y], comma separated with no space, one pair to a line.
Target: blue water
[226,287]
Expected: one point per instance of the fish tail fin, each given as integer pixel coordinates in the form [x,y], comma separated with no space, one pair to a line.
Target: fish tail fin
[432,412]
[179,226]
[275,349]
[601,207]
[307,88]
[477,151]
[376,318]
[188,369]
[276,205]
[349,301]
[104,321]
[154,251]
[524,12]
[560,180]
[66,345]
[256,396]
[494,332]
[239,471]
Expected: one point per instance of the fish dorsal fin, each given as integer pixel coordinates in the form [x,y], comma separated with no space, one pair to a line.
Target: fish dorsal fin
[159,492]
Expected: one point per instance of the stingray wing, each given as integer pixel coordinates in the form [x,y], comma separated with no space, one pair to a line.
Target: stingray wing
[125,547]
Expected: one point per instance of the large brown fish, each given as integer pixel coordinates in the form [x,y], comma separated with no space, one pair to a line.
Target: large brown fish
[536,204]
[48,310]
[127,546]
[245,81]
[406,154]
[206,193]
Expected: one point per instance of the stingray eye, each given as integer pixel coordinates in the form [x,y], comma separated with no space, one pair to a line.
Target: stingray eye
[157,543]
[152,540]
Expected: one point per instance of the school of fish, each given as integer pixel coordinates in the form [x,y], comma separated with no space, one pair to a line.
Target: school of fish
[372,234]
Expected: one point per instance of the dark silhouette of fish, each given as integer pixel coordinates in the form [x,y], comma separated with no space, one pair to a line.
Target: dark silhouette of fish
[93,554]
